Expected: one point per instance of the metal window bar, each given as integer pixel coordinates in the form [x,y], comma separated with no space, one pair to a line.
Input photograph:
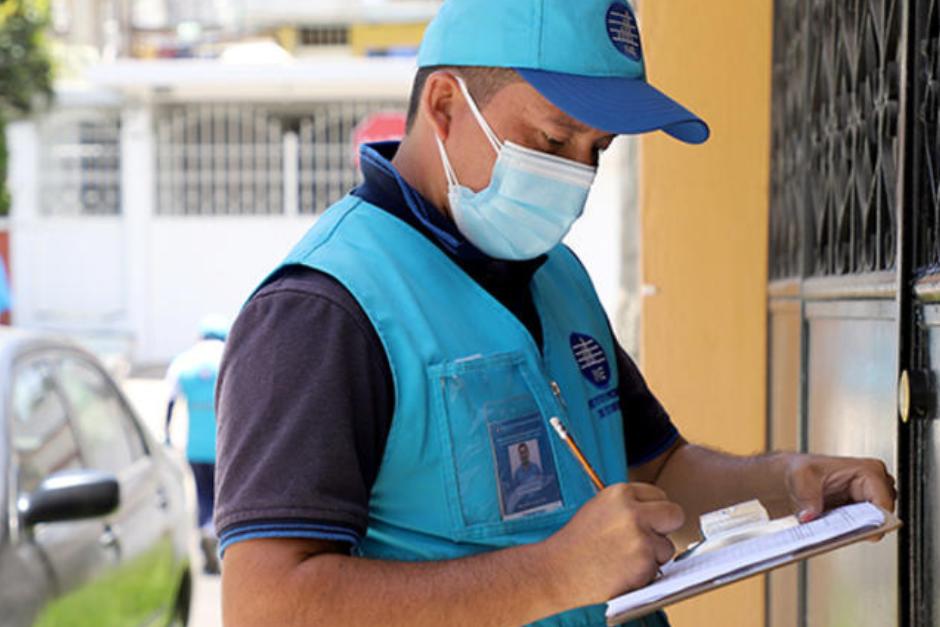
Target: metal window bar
[80,159]
[215,159]
[327,156]
[229,159]
[324,36]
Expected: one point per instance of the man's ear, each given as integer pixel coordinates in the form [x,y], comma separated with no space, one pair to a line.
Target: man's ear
[438,100]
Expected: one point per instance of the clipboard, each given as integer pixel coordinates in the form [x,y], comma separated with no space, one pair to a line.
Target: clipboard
[747,570]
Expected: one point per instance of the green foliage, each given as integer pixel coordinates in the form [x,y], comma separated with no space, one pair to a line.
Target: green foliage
[5,200]
[25,69]
[25,66]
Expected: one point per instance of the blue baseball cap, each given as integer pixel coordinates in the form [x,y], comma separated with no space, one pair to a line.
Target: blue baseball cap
[584,56]
[214,326]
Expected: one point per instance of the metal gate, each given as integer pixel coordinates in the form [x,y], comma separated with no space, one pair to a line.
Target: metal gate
[854,286]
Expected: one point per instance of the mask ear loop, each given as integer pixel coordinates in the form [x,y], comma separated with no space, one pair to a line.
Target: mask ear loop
[497,145]
[449,172]
[490,135]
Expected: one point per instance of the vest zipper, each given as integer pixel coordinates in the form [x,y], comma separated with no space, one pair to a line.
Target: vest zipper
[556,390]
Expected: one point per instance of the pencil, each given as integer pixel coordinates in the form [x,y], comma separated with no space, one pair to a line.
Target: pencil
[578,455]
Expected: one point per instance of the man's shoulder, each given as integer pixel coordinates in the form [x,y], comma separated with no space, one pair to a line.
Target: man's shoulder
[302,302]
[299,280]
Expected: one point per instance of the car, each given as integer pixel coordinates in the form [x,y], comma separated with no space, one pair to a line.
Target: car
[98,515]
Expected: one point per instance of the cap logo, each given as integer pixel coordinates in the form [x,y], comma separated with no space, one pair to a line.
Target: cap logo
[623,31]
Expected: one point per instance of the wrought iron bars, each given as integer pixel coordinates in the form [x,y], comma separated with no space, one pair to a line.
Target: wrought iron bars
[835,149]
[231,159]
[926,58]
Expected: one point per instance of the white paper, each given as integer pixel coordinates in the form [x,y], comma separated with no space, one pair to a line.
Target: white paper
[720,563]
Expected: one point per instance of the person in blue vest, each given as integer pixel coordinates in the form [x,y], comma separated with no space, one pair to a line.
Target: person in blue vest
[6,297]
[193,375]
[378,384]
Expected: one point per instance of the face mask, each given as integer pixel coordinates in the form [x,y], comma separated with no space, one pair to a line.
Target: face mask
[530,204]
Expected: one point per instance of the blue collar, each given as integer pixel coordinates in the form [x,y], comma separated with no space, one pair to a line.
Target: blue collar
[507,281]
[384,187]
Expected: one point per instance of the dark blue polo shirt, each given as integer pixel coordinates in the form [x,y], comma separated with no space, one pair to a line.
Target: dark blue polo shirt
[305,392]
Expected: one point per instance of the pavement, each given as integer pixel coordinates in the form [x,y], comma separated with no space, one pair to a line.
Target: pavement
[148,396]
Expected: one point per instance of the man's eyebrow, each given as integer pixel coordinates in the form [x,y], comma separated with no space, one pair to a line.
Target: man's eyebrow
[569,123]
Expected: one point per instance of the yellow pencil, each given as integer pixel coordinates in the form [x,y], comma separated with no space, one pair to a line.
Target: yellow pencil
[564,435]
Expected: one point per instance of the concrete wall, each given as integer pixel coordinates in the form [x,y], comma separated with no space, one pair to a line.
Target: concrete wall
[704,237]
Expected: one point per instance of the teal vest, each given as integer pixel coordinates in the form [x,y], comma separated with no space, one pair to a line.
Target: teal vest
[471,463]
[197,382]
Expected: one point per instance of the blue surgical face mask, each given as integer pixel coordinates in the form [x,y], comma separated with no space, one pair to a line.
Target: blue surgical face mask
[530,204]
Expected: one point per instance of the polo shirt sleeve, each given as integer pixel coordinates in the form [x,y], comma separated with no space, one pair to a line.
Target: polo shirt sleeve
[305,400]
[647,428]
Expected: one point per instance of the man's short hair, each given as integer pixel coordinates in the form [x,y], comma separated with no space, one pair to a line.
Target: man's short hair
[483,83]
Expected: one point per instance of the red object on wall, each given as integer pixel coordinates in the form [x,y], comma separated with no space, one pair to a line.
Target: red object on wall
[5,254]
[381,126]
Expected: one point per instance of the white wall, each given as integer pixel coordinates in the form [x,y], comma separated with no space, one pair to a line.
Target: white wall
[70,271]
[596,236]
[200,265]
[135,285]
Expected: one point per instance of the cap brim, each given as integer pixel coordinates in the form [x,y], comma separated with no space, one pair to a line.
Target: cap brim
[617,105]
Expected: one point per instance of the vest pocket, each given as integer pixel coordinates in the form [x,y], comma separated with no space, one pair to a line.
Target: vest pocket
[503,472]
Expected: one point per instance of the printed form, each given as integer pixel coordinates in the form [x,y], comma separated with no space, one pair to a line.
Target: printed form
[752,554]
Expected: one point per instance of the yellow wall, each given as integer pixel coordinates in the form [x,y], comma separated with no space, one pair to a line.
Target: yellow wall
[704,241]
[365,37]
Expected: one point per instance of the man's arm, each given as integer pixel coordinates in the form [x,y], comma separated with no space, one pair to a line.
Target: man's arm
[703,480]
[169,418]
[614,543]
[172,383]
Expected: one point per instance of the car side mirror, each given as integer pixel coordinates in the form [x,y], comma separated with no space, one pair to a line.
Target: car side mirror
[70,495]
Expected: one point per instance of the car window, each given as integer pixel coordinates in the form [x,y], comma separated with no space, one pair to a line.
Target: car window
[43,441]
[106,432]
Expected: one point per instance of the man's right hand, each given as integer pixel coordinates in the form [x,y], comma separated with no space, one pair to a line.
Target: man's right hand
[615,543]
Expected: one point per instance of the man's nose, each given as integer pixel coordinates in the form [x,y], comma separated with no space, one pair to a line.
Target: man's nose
[585,155]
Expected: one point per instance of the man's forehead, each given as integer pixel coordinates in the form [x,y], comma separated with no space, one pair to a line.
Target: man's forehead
[535,103]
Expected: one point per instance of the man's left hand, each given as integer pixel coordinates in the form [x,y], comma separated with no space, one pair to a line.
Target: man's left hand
[816,483]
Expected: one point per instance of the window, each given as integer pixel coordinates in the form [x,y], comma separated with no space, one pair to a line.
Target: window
[219,159]
[324,35]
[81,163]
[327,160]
[257,158]
[43,441]
[106,432]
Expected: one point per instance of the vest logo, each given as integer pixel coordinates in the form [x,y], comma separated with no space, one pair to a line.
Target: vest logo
[592,361]
[623,31]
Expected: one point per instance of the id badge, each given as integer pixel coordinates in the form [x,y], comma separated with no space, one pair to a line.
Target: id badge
[526,477]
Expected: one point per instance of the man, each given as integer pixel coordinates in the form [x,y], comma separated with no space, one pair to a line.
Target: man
[193,375]
[377,381]
[528,492]
[527,471]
